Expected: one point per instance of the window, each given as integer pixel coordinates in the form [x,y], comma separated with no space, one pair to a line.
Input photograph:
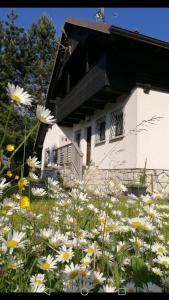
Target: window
[77,137]
[100,130]
[47,156]
[55,156]
[116,124]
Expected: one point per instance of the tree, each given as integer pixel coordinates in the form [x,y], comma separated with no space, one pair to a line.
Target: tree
[26,59]
[42,46]
[13,54]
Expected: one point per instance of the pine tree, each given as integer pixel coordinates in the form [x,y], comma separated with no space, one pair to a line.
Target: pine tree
[42,50]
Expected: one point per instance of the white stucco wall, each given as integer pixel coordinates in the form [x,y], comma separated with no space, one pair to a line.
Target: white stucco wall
[55,137]
[117,154]
[153,144]
[132,150]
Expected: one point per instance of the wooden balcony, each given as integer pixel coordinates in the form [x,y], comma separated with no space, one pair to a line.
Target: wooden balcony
[93,82]
[69,160]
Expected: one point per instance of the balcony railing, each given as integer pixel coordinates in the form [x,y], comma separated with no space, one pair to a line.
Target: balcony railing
[70,157]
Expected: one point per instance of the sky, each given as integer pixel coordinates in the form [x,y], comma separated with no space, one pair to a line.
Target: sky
[153,22]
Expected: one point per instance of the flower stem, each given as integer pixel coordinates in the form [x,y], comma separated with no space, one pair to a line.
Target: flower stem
[16,150]
[6,125]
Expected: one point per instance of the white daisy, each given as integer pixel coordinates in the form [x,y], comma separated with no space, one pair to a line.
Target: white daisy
[33,176]
[92,250]
[14,240]
[15,263]
[86,261]
[46,233]
[9,203]
[3,185]
[71,271]
[37,279]
[33,162]
[137,223]
[130,287]
[157,271]
[47,263]
[159,249]
[57,239]
[44,115]
[64,255]
[162,260]
[18,95]
[107,289]
[38,288]
[151,288]
[38,192]
[97,278]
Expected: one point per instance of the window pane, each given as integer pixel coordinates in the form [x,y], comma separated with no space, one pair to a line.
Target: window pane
[116,128]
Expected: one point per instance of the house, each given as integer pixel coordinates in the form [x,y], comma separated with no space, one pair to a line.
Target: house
[109,93]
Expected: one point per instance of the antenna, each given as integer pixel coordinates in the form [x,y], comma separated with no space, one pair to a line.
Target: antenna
[100,16]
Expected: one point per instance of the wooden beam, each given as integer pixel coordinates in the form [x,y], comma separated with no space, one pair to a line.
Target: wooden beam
[84,90]
[93,105]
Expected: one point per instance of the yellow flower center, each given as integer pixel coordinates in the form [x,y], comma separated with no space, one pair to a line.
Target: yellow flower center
[12,266]
[138,244]
[113,225]
[12,244]
[83,273]
[30,163]
[158,197]
[122,229]
[45,266]
[73,274]
[102,220]
[137,224]
[149,201]
[90,250]
[43,117]
[15,98]
[160,249]
[66,255]
[165,263]
[107,229]
[38,281]
[95,281]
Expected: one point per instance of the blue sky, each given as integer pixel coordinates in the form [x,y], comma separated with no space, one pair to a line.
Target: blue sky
[149,21]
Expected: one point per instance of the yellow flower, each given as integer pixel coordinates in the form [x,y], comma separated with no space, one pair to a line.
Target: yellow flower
[10,147]
[16,177]
[22,183]
[24,202]
[9,173]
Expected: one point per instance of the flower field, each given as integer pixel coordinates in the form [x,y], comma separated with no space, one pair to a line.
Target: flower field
[57,240]
[75,242]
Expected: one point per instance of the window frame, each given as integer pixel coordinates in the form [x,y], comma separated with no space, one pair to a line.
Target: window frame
[114,136]
[98,133]
[47,150]
[75,134]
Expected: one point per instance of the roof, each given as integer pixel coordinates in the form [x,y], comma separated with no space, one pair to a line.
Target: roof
[111,29]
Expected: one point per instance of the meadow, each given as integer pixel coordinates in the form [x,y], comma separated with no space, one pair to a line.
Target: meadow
[79,242]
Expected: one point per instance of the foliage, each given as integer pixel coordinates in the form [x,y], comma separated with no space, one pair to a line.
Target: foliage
[26,59]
